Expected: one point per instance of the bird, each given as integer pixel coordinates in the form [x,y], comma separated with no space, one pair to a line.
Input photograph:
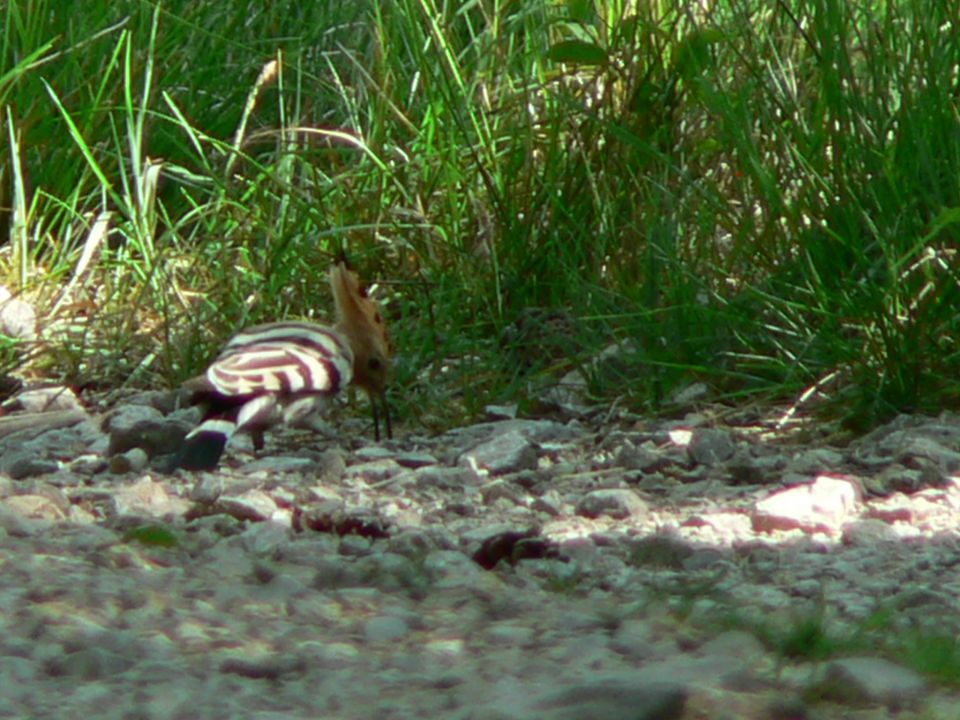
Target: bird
[283,372]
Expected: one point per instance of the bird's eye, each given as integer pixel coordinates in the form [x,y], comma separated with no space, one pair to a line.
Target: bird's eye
[374,364]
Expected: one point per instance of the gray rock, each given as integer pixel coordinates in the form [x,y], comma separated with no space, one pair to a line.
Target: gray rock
[27,452]
[276,464]
[507,633]
[925,598]
[271,667]
[872,680]
[616,503]
[20,428]
[498,489]
[501,412]
[661,550]
[415,459]
[385,629]
[306,549]
[391,572]
[207,488]
[146,498]
[15,524]
[48,399]
[897,478]
[709,446]
[908,437]
[416,543]
[631,457]
[124,418]
[710,667]
[926,449]
[337,654]
[504,453]
[133,460]
[16,670]
[740,654]
[686,395]
[335,573]
[62,443]
[266,538]
[815,461]
[145,427]
[331,466]
[372,453]
[25,464]
[166,401]
[537,431]
[89,465]
[254,505]
[355,546]
[35,507]
[570,393]
[92,663]
[374,471]
[625,700]
[445,478]
[634,638]
[868,533]
[90,538]
[549,503]
[450,568]
[396,619]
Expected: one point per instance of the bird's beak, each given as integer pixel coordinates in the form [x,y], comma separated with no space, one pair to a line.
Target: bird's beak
[376,402]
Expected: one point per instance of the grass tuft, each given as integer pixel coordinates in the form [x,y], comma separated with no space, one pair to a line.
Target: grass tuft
[761,197]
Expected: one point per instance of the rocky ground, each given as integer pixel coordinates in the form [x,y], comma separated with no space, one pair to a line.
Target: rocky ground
[598,567]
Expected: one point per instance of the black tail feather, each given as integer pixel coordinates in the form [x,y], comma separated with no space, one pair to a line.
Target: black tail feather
[203,447]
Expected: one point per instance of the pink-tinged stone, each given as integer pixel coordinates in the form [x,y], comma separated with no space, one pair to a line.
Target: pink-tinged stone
[890,513]
[35,507]
[254,505]
[145,497]
[731,522]
[926,508]
[821,506]
[908,508]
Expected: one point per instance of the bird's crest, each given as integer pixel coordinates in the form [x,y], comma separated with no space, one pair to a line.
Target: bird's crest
[359,319]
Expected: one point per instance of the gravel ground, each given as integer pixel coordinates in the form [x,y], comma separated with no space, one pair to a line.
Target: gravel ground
[604,566]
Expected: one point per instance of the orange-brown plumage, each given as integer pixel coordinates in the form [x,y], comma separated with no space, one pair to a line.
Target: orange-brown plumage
[360,322]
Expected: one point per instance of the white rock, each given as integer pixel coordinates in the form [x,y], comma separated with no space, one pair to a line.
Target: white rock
[821,506]
[18,319]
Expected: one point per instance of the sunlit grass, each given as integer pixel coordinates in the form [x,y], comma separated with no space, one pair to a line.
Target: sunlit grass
[763,197]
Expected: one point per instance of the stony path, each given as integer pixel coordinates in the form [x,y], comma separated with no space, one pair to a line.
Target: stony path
[608,569]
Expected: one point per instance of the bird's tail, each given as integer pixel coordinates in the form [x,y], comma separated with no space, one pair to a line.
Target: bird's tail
[203,446]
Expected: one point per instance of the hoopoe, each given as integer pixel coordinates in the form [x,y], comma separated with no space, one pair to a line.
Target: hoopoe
[284,371]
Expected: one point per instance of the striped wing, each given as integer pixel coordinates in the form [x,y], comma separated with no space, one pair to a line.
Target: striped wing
[284,358]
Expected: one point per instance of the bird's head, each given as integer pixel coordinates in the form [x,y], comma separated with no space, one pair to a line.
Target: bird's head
[360,322]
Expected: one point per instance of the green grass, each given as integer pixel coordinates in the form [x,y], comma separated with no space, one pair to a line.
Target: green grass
[764,197]
[151,535]
[813,636]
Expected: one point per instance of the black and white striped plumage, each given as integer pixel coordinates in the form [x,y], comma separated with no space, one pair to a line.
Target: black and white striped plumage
[284,371]
[283,357]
